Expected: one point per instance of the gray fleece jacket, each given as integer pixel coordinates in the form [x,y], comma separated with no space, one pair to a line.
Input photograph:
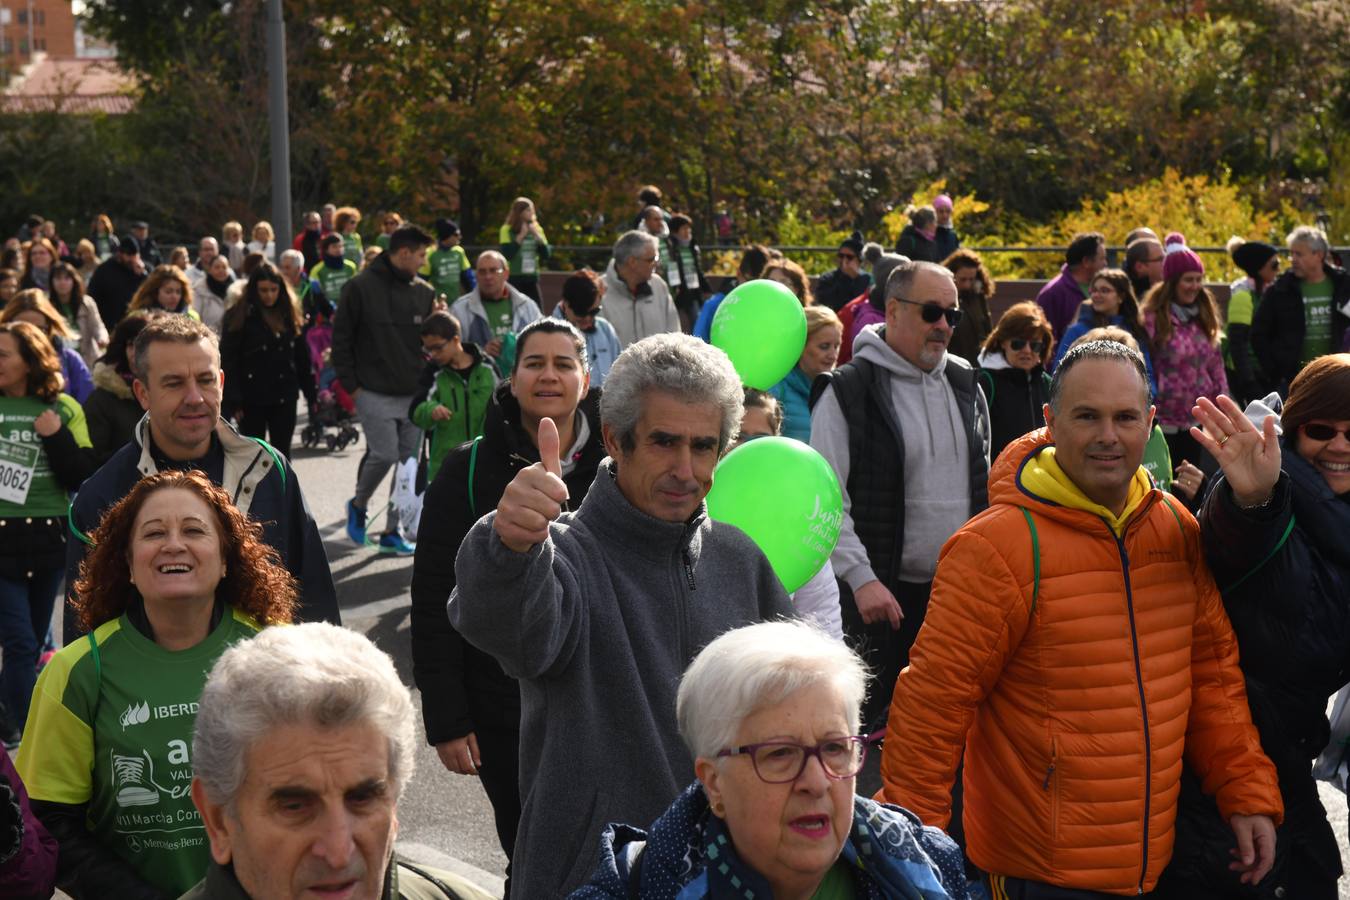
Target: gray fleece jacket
[598,623]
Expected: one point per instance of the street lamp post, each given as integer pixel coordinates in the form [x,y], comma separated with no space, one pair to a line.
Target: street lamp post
[279,121]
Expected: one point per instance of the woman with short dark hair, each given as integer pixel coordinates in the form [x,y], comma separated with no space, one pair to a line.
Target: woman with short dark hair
[471,708]
[1012,374]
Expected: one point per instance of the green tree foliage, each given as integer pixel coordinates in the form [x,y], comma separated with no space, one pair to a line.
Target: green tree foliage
[828,114]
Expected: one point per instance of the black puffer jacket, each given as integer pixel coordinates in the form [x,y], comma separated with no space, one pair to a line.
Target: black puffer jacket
[263,368]
[1016,400]
[462,687]
[1279,325]
[1285,576]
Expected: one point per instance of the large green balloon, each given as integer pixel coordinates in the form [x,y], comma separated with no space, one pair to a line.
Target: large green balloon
[784,495]
[762,327]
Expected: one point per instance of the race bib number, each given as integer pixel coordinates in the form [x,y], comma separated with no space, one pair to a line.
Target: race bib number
[17,462]
[529,261]
[673,273]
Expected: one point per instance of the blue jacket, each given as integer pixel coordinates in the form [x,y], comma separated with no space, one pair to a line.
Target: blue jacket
[703,325]
[794,393]
[1082,326]
[889,851]
[79,383]
[602,346]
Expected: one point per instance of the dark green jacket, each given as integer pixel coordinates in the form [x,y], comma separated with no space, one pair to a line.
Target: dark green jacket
[467,401]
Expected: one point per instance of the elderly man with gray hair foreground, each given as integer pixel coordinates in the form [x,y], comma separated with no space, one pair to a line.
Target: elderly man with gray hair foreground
[303,744]
[598,612]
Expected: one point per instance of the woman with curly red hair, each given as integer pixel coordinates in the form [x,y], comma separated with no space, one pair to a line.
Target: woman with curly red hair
[176,575]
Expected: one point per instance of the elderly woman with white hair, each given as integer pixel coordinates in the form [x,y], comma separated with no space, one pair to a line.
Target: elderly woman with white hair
[770,713]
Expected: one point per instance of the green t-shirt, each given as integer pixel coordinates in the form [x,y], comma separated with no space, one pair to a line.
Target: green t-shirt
[1158,459]
[1317,319]
[529,254]
[443,269]
[331,278]
[27,485]
[498,316]
[114,730]
[351,247]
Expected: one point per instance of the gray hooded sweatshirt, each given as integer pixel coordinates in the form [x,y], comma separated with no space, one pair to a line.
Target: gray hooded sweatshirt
[598,623]
[937,460]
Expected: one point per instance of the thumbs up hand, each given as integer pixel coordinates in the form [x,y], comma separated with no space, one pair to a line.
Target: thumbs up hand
[534,498]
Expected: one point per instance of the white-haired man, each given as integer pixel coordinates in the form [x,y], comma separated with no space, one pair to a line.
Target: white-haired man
[1305,312]
[598,612]
[302,746]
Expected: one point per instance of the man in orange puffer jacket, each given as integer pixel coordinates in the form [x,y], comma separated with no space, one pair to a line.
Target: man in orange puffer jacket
[1077,650]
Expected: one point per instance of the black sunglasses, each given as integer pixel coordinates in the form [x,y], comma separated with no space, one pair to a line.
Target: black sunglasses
[1021,343]
[1320,432]
[931,312]
[847,256]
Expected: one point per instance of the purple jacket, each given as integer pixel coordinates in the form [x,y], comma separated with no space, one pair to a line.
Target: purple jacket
[31,872]
[1060,300]
[1187,367]
[867,314]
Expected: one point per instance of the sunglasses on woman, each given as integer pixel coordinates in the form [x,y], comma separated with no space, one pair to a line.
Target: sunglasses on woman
[1320,432]
[931,312]
[1021,344]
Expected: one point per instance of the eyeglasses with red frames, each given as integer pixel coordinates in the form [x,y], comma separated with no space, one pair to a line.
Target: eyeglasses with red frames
[782,762]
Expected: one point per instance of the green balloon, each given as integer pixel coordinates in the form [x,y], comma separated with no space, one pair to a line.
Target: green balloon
[762,327]
[784,495]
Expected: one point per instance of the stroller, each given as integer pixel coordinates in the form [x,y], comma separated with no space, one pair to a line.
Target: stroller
[333,408]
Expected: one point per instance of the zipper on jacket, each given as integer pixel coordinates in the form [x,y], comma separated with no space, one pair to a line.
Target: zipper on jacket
[1143,703]
[689,571]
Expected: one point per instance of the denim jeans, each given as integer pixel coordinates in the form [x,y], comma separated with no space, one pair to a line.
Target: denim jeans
[25,614]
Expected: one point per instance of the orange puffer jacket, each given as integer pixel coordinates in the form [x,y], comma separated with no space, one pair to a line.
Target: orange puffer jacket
[1075,701]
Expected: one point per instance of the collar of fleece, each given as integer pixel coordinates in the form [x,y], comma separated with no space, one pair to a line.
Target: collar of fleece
[1044,478]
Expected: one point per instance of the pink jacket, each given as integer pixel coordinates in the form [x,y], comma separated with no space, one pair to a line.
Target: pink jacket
[1187,367]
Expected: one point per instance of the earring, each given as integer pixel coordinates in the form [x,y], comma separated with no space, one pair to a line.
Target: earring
[717,809]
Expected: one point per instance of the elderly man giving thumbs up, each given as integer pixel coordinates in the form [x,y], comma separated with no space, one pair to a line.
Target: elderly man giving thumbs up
[598,611]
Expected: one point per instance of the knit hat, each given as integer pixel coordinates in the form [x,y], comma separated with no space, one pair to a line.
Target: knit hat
[129,245]
[881,272]
[446,229]
[942,201]
[1252,256]
[853,242]
[1179,258]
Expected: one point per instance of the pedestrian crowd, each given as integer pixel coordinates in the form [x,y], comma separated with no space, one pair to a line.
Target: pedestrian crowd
[1088,604]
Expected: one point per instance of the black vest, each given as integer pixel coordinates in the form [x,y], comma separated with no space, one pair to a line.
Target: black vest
[876,450]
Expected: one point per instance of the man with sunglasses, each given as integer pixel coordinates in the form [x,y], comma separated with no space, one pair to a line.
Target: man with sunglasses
[581,295]
[907,432]
[847,280]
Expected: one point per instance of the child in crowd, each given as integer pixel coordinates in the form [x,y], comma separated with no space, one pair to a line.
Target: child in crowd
[454,391]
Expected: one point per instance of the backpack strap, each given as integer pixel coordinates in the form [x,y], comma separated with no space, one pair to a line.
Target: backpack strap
[989,380]
[1035,558]
[276,459]
[75,529]
[1284,539]
[473,466]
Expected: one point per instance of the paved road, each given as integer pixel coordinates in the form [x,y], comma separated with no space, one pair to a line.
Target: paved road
[444,819]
